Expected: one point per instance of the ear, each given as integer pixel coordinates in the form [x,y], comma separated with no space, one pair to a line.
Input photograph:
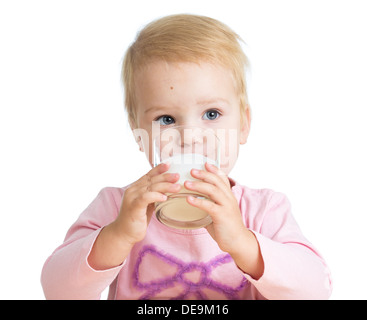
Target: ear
[137,135]
[245,124]
[139,142]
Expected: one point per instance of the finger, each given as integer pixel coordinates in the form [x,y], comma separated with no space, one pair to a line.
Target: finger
[147,198]
[143,195]
[214,169]
[213,192]
[211,177]
[208,206]
[150,193]
[164,187]
[161,168]
[166,177]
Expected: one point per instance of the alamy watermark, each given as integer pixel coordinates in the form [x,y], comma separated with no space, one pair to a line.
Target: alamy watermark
[217,144]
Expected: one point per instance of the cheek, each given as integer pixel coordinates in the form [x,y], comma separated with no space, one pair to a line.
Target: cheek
[229,149]
[228,161]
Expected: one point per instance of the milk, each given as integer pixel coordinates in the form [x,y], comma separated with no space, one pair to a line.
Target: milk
[176,211]
[183,163]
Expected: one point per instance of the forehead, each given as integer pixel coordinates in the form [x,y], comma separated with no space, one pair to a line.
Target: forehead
[159,81]
[159,67]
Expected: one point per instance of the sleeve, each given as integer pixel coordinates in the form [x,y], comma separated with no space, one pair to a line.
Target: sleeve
[66,274]
[293,269]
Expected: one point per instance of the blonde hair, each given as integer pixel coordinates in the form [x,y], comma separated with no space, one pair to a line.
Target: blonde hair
[185,38]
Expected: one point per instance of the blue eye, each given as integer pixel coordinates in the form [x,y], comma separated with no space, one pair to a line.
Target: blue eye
[211,115]
[165,120]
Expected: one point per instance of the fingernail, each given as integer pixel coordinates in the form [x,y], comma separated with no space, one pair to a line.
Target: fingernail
[189,183]
[164,166]
[176,187]
[191,198]
[211,166]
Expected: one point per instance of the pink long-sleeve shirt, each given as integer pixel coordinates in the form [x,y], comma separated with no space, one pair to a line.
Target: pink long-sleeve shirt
[188,264]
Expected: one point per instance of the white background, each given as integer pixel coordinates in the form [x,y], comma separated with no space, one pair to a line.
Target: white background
[64,134]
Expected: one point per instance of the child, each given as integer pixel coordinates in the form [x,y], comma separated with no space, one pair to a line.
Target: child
[187,70]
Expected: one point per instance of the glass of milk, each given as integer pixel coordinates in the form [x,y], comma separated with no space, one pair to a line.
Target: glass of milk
[185,148]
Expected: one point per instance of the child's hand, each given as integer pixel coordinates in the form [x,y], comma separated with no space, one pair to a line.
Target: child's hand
[227,229]
[138,202]
[115,240]
[227,223]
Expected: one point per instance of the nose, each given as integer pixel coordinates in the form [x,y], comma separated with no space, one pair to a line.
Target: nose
[191,139]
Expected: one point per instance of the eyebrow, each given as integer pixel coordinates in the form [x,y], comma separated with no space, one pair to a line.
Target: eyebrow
[199,102]
[156,108]
[211,101]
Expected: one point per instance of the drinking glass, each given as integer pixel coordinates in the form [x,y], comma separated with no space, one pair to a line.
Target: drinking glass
[185,148]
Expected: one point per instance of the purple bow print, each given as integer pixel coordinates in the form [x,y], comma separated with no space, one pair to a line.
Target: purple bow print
[180,276]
